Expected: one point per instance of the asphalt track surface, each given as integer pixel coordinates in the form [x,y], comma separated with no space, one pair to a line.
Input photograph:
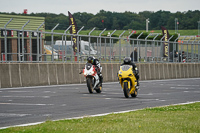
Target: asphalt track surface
[32,105]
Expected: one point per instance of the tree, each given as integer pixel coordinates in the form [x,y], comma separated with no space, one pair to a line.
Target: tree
[119,21]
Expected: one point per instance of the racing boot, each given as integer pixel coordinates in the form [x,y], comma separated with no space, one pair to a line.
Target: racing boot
[138,83]
[101,79]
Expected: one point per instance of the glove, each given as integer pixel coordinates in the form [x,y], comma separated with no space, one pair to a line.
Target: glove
[136,71]
[80,72]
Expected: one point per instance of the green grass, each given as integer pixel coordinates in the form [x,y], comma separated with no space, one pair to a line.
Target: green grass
[169,119]
[189,48]
[128,32]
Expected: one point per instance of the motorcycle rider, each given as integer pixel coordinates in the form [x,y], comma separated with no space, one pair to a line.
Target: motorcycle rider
[96,63]
[127,61]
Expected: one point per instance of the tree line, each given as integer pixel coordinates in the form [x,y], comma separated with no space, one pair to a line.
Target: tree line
[122,21]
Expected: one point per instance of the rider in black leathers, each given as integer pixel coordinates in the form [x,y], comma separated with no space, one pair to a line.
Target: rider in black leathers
[96,62]
[127,61]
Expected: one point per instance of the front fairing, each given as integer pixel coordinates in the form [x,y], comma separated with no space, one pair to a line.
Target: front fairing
[125,74]
[89,70]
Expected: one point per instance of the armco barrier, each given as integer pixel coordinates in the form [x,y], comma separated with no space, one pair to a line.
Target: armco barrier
[34,74]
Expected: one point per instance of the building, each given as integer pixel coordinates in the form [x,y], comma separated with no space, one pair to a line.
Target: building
[24,40]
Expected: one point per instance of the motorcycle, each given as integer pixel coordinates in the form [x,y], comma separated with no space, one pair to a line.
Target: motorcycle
[92,78]
[128,81]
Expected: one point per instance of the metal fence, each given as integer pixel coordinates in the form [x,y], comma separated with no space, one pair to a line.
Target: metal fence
[29,46]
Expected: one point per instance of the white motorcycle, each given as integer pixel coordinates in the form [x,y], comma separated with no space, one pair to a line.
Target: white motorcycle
[92,78]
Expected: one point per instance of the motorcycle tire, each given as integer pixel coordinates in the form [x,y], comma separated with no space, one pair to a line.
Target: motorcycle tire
[135,93]
[99,89]
[89,85]
[126,90]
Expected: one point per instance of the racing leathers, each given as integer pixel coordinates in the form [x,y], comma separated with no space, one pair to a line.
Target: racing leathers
[96,63]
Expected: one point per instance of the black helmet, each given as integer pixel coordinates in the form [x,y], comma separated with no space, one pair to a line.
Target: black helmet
[90,59]
[127,60]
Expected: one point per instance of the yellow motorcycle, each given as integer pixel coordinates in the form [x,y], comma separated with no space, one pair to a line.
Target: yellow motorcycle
[128,81]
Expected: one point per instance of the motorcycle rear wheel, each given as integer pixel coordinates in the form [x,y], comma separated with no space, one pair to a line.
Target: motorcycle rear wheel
[90,85]
[99,89]
[135,93]
[126,90]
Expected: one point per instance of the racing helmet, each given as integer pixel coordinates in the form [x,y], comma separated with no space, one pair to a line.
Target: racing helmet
[127,60]
[90,59]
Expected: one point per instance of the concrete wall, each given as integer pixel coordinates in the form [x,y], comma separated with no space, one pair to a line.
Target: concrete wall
[33,74]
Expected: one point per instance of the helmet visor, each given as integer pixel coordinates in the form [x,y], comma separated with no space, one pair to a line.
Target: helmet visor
[90,61]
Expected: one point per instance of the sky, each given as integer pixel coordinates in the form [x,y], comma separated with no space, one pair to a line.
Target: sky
[94,6]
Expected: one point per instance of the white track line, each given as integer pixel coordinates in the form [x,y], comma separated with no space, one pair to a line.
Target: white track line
[17,88]
[13,115]
[27,104]
[25,96]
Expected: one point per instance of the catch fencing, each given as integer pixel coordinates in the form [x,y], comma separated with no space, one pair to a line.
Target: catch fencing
[32,46]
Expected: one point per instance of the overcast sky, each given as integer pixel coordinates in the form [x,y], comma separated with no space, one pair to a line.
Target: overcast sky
[94,6]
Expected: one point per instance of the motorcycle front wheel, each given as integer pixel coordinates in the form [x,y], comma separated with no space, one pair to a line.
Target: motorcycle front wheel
[126,90]
[90,85]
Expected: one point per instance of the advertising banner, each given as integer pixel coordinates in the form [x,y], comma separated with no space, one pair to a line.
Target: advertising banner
[73,30]
[165,43]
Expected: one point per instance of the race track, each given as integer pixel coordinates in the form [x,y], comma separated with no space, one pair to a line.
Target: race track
[32,105]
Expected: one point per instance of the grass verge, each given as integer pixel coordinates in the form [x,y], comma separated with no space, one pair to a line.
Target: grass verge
[169,119]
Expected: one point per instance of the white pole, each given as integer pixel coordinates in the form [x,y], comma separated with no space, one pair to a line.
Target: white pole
[147,23]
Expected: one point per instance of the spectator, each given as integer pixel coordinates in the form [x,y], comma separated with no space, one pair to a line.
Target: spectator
[135,55]
[171,58]
[183,57]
